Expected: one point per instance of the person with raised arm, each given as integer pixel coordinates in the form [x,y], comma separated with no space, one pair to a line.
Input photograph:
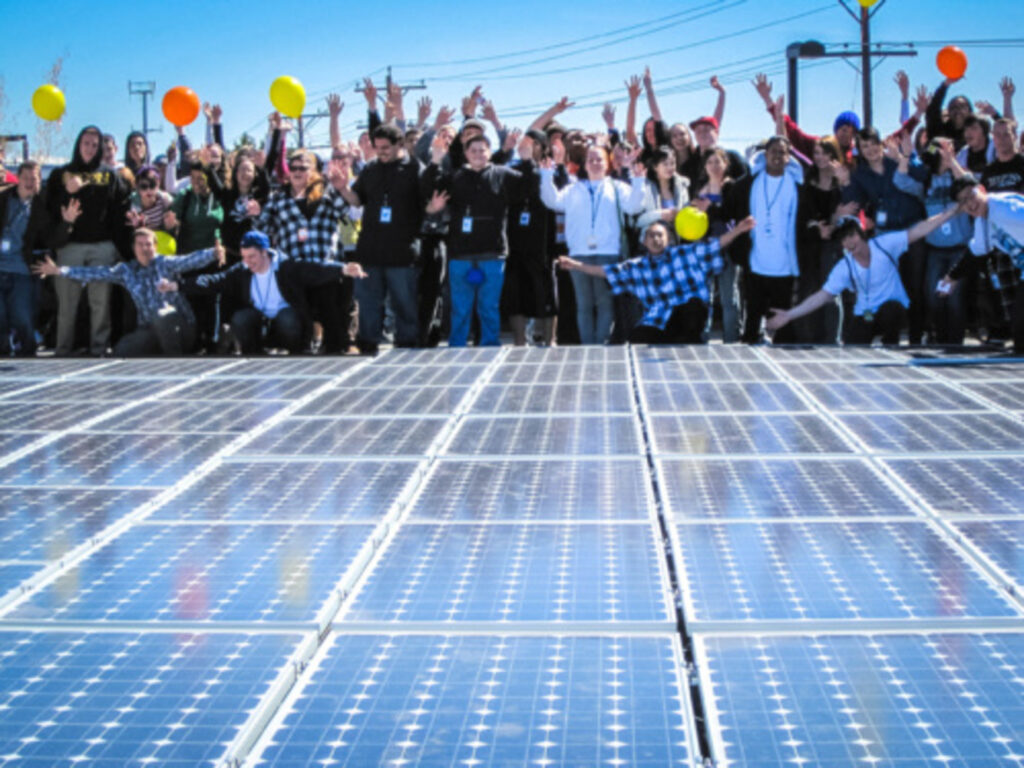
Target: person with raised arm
[869,268]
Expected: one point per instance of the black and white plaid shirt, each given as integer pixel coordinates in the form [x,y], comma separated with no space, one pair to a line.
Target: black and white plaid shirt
[313,239]
[141,281]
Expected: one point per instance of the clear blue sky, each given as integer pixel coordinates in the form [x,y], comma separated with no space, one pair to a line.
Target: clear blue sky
[230,52]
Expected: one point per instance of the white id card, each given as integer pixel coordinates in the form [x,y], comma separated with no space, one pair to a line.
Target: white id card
[385,214]
[5,245]
[524,219]
[467,224]
[882,217]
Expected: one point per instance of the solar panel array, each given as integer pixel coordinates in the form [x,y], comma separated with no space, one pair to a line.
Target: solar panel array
[480,557]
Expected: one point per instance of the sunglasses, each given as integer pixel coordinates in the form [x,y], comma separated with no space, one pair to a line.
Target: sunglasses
[298,168]
[144,185]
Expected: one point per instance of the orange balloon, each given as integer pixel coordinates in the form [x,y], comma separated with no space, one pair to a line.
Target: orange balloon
[181,105]
[952,62]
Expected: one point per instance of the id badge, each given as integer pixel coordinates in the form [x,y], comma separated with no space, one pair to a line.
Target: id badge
[385,214]
[883,217]
[303,235]
[467,224]
[5,245]
[591,243]
[524,219]
[947,229]
[869,316]
[996,284]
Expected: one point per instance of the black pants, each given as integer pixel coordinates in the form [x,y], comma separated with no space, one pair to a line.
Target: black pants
[1017,319]
[887,323]
[333,307]
[912,272]
[685,326]
[284,331]
[761,294]
[169,334]
[429,290]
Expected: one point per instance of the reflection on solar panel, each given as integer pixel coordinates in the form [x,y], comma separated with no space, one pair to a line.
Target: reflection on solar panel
[560,573]
[865,700]
[428,700]
[484,557]
[254,573]
[123,699]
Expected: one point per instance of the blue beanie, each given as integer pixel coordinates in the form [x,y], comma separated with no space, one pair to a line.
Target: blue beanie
[255,239]
[846,118]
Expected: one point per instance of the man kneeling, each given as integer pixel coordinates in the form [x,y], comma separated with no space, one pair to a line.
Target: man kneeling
[672,283]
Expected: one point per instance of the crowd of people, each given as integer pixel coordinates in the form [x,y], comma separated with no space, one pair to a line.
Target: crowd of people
[426,229]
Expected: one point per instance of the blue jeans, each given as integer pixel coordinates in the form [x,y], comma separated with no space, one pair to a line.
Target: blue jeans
[594,307]
[17,306]
[486,296]
[400,284]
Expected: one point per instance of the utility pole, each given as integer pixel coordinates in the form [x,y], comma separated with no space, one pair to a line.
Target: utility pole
[420,86]
[145,89]
[812,49]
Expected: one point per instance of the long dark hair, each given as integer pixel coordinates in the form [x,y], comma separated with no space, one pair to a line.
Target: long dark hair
[78,164]
[814,173]
[129,163]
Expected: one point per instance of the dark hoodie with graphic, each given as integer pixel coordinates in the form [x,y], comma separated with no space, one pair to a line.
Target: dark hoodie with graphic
[104,197]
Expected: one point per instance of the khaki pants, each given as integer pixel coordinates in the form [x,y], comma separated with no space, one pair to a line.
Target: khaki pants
[70,291]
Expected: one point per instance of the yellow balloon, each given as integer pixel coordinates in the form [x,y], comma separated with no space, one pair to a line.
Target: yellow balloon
[48,102]
[867,3]
[691,223]
[165,244]
[288,96]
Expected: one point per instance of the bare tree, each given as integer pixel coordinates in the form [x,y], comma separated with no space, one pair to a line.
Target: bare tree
[50,137]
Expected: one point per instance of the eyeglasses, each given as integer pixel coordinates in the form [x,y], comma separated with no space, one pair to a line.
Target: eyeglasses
[298,168]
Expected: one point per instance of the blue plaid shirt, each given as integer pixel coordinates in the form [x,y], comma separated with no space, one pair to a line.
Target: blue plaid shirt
[668,281]
[141,281]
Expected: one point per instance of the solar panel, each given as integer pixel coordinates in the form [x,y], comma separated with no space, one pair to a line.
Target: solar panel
[601,397]
[1005,394]
[421,376]
[724,353]
[49,368]
[171,415]
[118,699]
[209,573]
[296,490]
[872,396]
[175,368]
[901,433]
[973,373]
[35,416]
[430,700]
[760,434]
[1002,541]
[113,460]
[816,571]
[519,491]
[528,572]
[13,574]
[708,396]
[579,355]
[832,371]
[363,401]
[248,388]
[297,367]
[27,388]
[409,358]
[887,700]
[568,371]
[964,485]
[546,436]
[118,391]
[777,488]
[690,370]
[338,437]
[46,523]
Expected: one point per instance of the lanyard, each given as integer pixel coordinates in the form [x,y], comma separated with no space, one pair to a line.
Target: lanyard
[856,283]
[264,297]
[595,205]
[769,204]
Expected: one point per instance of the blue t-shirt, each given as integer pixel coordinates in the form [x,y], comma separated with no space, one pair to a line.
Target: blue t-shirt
[879,282]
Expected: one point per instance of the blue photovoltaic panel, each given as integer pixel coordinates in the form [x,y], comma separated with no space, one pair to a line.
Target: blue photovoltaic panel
[1003,542]
[418,376]
[553,489]
[664,369]
[13,441]
[902,433]
[28,388]
[1005,394]
[488,701]
[725,353]
[722,488]
[568,371]
[882,700]
[118,699]
[173,415]
[761,434]
[34,416]
[589,397]
[337,437]
[362,401]
[873,396]
[974,373]
[177,368]
[831,354]
[297,367]
[13,574]
[247,388]
[113,460]
[324,492]
[965,485]
[572,354]
[47,523]
[704,396]
[27,367]
[846,372]
[526,572]
[211,573]
[117,391]
[807,571]
[546,436]
[411,358]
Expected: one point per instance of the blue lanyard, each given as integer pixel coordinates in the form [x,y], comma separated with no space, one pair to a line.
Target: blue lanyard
[771,203]
[594,206]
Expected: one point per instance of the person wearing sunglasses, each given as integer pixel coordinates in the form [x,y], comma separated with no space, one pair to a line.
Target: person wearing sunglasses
[149,203]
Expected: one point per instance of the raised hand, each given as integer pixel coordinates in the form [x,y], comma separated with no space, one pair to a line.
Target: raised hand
[438,149]
[215,114]
[490,114]
[922,99]
[71,211]
[423,109]
[902,80]
[892,148]
[763,88]
[717,84]
[134,219]
[207,111]
[558,151]
[370,92]
[469,104]
[438,201]
[1007,87]
[634,88]
[166,286]
[525,148]
[983,107]
[334,105]
[648,80]
[274,121]
[608,113]
[444,116]
[561,105]
[512,140]
[170,221]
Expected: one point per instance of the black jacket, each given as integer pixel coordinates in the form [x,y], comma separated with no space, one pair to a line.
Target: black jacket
[397,186]
[37,231]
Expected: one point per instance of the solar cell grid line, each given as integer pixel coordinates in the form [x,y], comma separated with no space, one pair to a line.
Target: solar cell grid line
[745,576]
[1000,544]
[134,698]
[973,432]
[173,416]
[379,376]
[721,397]
[196,473]
[527,437]
[486,700]
[1012,372]
[738,434]
[236,388]
[10,457]
[1003,394]
[963,486]
[890,370]
[879,699]
[722,353]
[34,416]
[582,354]
[360,402]
[566,371]
[875,397]
[969,390]
[671,370]
[593,398]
